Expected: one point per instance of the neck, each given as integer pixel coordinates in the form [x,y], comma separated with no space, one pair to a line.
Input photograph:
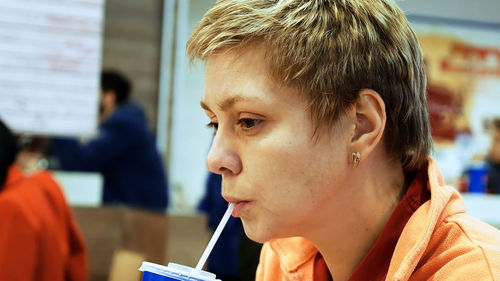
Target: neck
[373,193]
[107,111]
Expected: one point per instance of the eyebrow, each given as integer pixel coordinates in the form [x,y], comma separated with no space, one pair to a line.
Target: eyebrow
[229,102]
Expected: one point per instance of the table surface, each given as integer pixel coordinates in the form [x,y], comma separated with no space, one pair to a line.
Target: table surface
[485,207]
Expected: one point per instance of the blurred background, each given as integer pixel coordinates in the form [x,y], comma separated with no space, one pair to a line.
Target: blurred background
[52,53]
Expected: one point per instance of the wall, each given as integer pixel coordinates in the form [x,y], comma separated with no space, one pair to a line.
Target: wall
[132,45]
[190,139]
[480,11]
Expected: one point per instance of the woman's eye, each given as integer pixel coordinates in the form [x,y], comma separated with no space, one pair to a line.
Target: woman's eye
[213,125]
[248,123]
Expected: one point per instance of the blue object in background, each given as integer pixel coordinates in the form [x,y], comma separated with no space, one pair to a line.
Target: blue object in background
[477,178]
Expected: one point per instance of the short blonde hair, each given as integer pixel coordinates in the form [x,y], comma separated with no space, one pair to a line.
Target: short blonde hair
[330,50]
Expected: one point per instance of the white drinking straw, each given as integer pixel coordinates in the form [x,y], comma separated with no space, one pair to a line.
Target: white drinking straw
[215,237]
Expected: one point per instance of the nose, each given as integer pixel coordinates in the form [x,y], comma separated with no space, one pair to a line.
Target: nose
[222,159]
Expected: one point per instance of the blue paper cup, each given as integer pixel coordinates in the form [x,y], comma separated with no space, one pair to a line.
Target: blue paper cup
[175,272]
[477,176]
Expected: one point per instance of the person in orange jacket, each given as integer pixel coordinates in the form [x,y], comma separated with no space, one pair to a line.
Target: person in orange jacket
[322,138]
[39,238]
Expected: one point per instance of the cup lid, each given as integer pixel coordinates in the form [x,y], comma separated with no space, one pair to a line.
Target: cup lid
[177,270]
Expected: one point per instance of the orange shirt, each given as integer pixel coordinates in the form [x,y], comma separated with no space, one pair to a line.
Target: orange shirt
[376,263]
[436,240]
[39,238]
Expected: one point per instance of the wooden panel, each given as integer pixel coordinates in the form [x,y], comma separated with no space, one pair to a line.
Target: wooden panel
[109,229]
[145,233]
[101,228]
[189,237]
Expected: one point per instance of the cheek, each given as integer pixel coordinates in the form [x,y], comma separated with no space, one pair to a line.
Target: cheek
[282,156]
[289,170]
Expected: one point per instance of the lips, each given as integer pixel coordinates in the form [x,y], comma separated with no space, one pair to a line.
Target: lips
[239,205]
[239,208]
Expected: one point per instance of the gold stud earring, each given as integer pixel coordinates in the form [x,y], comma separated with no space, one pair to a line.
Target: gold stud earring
[356,156]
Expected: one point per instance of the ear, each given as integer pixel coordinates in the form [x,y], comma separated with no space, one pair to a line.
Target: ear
[369,117]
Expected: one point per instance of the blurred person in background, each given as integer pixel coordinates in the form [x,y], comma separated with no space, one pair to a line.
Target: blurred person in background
[234,257]
[124,151]
[494,159]
[39,238]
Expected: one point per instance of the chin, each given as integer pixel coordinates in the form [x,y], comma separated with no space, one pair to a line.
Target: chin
[257,234]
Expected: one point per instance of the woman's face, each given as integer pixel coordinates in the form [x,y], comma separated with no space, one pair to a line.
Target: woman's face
[285,180]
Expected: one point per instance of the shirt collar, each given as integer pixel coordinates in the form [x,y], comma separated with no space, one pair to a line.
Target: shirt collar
[293,252]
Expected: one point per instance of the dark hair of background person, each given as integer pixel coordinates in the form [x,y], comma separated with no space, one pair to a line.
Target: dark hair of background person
[8,151]
[114,81]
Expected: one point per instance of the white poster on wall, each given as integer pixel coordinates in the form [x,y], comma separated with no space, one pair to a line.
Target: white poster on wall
[50,60]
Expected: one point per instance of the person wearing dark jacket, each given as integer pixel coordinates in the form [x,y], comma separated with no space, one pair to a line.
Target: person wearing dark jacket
[124,151]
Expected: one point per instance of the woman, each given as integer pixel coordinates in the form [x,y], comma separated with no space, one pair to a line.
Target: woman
[322,139]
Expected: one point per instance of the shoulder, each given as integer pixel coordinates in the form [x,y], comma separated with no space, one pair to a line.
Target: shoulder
[15,207]
[50,198]
[11,199]
[462,246]
[35,194]
[479,236]
[128,113]
[128,120]
[47,181]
